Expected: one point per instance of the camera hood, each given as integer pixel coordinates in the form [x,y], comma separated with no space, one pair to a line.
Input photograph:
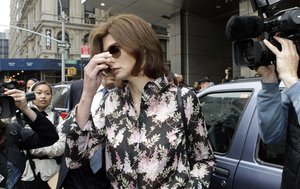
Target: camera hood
[7,107]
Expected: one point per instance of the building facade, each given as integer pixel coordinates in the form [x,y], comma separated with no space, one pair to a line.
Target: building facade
[44,17]
[3,45]
[40,18]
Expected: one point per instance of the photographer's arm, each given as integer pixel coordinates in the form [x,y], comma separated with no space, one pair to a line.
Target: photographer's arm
[273,106]
[272,113]
[21,102]
[43,132]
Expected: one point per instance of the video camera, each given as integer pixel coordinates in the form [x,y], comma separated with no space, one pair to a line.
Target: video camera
[7,103]
[275,19]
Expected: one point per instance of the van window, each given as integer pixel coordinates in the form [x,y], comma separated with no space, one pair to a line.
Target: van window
[271,153]
[60,96]
[222,112]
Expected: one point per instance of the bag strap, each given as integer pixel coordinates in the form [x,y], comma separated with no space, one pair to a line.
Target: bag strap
[181,107]
[184,120]
[31,163]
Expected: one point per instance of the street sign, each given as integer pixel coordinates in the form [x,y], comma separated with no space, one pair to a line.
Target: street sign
[63,45]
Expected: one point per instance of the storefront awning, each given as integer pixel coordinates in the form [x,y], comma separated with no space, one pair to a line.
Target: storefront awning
[36,64]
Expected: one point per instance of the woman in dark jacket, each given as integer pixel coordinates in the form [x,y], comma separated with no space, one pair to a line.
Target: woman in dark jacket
[14,139]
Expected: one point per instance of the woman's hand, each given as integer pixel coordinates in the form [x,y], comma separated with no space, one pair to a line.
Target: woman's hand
[92,80]
[21,102]
[93,73]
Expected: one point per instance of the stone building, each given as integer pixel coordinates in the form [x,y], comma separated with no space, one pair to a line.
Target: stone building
[44,17]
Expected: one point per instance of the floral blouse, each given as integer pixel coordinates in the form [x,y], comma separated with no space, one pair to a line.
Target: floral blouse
[149,149]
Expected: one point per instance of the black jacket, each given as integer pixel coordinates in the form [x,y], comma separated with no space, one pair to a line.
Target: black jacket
[291,168]
[43,133]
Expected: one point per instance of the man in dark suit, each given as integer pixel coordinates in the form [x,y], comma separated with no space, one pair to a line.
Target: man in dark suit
[82,177]
[75,93]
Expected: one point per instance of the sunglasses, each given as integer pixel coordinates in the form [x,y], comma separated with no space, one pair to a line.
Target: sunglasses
[114,50]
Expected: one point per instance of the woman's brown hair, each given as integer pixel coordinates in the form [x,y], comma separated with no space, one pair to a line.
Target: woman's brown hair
[136,37]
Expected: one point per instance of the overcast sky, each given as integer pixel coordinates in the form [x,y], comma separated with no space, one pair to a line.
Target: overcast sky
[4,14]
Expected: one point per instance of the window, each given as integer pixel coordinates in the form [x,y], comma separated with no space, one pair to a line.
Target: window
[65,7]
[222,112]
[163,44]
[271,153]
[89,14]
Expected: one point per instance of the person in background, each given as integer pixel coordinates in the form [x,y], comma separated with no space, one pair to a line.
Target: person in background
[84,176]
[204,83]
[147,142]
[180,80]
[211,83]
[228,75]
[14,139]
[75,93]
[279,111]
[171,78]
[197,87]
[44,162]
[29,83]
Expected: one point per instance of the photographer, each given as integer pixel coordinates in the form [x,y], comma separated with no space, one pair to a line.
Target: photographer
[279,112]
[14,139]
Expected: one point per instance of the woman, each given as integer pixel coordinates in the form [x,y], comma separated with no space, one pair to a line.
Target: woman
[146,142]
[30,82]
[14,139]
[44,161]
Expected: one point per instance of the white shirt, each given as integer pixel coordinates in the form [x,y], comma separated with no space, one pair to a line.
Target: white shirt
[96,100]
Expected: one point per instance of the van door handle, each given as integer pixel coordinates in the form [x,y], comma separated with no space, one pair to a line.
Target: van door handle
[222,171]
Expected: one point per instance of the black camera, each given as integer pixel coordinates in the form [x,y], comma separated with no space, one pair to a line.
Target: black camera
[247,32]
[7,103]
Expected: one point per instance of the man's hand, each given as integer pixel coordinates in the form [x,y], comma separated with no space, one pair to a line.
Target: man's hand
[268,74]
[286,60]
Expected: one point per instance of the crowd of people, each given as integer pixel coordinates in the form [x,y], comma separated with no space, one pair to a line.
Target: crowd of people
[133,123]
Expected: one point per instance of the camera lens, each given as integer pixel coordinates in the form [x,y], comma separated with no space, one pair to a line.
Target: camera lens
[30,96]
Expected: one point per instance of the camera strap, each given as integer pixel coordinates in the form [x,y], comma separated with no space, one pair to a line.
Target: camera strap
[31,163]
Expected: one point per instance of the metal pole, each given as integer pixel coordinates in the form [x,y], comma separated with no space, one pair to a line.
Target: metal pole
[30,31]
[62,13]
[63,51]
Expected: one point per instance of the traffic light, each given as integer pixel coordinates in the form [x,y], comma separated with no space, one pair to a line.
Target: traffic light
[71,71]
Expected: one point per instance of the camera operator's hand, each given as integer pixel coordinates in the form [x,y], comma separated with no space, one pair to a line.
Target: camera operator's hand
[286,60]
[268,73]
[21,102]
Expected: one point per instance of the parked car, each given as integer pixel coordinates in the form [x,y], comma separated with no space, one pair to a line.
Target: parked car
[60,98]
[243,161]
